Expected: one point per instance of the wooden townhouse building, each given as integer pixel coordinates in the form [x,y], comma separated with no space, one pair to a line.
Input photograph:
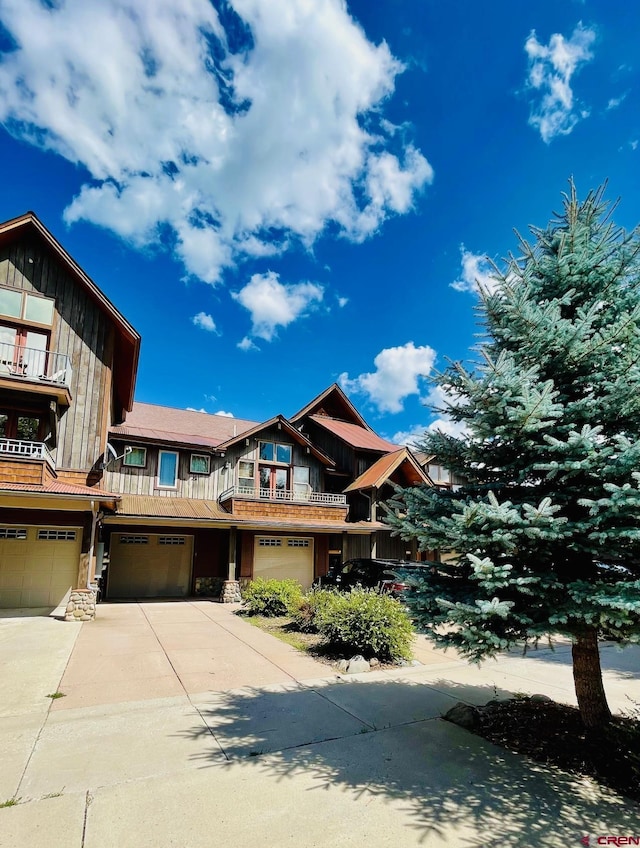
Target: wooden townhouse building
[68,363]
[181,503]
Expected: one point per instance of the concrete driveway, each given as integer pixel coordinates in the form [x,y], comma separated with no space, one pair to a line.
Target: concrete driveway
[183,725]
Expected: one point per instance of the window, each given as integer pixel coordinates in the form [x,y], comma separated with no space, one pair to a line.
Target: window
[27,306]
[25,426]
[273,482]
[23,350]
[273,452]
[13,533]
[135,457]
[269,543]
[134,540]
[171,540]
[199,463]
[246,474]
[301,485]
[297,543]
[56,535]
[167,469]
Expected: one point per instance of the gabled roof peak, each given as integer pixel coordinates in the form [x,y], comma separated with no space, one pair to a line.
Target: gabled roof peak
[332,403]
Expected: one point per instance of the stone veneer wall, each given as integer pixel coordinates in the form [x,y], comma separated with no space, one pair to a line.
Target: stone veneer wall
[231,592]
[81,605]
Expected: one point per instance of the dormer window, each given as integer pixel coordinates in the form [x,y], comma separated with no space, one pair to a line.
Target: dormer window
[135,457]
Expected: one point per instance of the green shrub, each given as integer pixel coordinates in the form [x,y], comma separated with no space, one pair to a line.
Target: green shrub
[313,604]
[272,597]
[365,622]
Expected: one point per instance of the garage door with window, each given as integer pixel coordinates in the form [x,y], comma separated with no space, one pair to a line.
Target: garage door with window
[149,565]
[38,565]
[284,558]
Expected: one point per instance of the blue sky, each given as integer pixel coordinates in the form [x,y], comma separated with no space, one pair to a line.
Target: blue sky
[279,194]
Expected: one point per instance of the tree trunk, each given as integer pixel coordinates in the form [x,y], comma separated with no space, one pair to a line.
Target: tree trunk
[587,678]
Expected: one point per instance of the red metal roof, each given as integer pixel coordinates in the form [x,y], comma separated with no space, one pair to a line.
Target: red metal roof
[165,424]
[58,487]
[354,435]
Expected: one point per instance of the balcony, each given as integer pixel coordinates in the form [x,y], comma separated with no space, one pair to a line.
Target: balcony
[285,505]
[279,495]
[22,461]
[43,371]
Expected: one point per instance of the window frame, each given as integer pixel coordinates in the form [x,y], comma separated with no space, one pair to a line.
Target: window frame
[24,300]
[130,449]
[174,485]
[193,470]
[240,477]
[273,460]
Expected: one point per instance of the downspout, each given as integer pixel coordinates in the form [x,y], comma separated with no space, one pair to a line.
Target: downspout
[92,543]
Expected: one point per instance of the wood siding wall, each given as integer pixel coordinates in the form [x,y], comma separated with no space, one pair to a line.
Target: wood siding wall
[81,331]
[125,479]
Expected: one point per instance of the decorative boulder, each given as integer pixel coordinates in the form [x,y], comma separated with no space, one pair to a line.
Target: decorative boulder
[463,715]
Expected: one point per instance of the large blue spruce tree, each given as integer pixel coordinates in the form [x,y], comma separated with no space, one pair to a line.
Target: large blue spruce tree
[545,533]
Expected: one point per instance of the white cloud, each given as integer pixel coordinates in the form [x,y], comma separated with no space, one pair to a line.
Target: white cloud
[410,437]
[614,102]
[477,272]
[273,304]
[205,322]
[633,144]
[246,344]
[399,371]
[342,302]
[225,414]
[234,144]
[193,409]
[551,68]
[438,399]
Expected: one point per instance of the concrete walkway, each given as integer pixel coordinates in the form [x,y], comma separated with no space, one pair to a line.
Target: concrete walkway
[185,726]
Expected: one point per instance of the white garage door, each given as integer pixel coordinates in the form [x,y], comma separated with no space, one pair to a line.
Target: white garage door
[282,558]
[38,565]
[149,565]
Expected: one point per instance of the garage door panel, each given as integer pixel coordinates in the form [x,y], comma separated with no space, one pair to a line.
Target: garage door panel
[149,566]
[284,558]
[38,572]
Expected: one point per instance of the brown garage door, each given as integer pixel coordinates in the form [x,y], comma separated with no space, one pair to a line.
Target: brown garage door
[149,565]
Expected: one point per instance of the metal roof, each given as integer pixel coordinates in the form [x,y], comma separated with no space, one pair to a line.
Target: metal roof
[354,435]
[58,487]
[382,470]
[184,426]
[189,508]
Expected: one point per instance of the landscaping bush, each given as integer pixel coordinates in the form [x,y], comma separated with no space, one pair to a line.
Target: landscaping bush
[272,597]
[313,604]
[364,622]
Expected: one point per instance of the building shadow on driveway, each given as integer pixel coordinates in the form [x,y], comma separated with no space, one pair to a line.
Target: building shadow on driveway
[385,742]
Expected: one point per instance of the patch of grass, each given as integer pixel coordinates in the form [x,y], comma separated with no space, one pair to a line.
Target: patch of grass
[281,628]
[11,802]
[55,695]
[52,795]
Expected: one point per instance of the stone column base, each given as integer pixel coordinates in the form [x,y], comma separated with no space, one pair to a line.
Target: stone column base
[81,605]
[231,592]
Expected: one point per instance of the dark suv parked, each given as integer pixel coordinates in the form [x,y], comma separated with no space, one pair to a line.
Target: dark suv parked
[385,575]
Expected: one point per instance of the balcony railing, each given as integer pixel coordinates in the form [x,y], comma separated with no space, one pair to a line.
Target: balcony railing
[28,363]
[302,496]
[26,450]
